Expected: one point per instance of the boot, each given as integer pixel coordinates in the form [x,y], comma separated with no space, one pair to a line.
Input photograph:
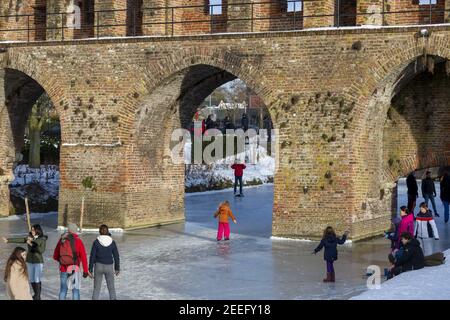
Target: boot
[328,278]
[33,285]
[332,277]
[38,291]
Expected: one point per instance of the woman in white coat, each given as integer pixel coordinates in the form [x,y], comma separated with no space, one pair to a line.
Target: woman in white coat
[16,276]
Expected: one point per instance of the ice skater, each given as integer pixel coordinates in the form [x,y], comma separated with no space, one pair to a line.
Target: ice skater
[224,213]
[330,242]
[238,168]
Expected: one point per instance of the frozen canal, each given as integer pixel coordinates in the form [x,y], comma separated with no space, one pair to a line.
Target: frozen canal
[184,261]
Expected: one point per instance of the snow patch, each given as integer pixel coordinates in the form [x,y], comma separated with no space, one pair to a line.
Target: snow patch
[428,283]
[24,216]
[92,230]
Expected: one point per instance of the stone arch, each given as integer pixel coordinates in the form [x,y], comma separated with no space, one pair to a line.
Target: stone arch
[155,115]
[22,83]
[382,78]
[165,71]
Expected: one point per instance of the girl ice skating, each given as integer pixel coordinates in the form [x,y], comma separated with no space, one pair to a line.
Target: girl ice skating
[330,242]
[224,212]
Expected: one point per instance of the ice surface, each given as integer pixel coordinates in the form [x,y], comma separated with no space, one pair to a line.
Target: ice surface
[184,261]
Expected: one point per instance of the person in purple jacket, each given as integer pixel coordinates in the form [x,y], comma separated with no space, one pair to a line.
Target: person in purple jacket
[104,261]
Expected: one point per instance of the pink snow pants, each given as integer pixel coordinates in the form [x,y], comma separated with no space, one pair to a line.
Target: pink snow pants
[224,229]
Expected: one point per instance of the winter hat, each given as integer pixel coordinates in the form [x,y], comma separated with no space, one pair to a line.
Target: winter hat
[72,227]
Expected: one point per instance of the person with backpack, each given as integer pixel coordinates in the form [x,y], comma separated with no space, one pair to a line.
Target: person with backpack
[329,242]
[16,276]
[36,242]
[70,252]
[104,261]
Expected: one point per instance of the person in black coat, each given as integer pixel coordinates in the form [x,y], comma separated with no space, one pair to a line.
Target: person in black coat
[411,259]
[329,242]
[413,192]
[445,194]
[429,191]
[244,122]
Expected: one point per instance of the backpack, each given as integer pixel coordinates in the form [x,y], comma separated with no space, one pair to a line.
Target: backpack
[67,252]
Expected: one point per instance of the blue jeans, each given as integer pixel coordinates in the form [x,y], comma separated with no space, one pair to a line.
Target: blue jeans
[236,180]
[433,203]
[63,289]
[35,272]
[446,210]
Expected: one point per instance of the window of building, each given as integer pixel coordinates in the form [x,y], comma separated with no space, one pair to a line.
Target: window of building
[294,6]
[427,2]
[215,7]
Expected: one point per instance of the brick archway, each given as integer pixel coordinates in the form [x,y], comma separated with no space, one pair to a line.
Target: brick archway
[22,83]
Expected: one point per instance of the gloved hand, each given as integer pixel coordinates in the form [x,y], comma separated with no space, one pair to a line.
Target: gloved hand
[85,274]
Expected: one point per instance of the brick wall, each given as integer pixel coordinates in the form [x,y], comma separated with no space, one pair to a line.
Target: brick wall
[328,93]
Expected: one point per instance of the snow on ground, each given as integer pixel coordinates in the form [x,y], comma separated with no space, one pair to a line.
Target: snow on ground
[46,176]
[429,283]
[219,175]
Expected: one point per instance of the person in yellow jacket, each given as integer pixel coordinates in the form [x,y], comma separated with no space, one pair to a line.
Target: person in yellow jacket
[16,276]
[224,213]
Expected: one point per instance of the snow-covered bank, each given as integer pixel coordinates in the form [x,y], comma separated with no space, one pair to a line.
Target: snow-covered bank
[429,283]
[24,217]
[219,175]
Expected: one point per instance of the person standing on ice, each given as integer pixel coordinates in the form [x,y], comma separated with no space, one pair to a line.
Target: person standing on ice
[329,242]
[238,168]
[16,276]
[104,261]
[70,252]
[406,224]
[36,242]
[429,191]
[425,228]
[445,195]
[413,191]
[224,213]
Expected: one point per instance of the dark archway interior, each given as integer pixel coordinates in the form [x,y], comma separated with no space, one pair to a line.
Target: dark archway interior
[198,83]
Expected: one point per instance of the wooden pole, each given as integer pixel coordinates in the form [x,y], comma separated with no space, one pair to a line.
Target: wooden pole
[82,214]
[28,214]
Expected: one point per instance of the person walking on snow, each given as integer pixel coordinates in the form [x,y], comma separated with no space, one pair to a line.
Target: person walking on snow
[224,213]
[70,252]
[445,194]
[104,261]
[238,174]
[413,191]
[36,242]
[329,242]
[16,276]
[429,191]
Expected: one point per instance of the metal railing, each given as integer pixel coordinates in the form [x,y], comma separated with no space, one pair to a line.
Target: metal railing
[235,17]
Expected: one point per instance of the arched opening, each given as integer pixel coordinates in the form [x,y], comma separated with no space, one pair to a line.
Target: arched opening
[416,129]
[171,106]
[30,135]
